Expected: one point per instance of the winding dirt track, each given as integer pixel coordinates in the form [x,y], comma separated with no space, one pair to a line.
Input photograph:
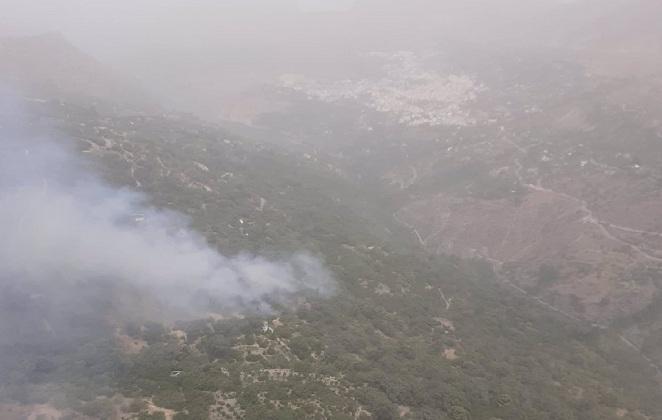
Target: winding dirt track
[590,218]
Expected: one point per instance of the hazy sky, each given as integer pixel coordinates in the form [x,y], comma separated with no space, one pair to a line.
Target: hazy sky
[111,28]
[325,5]
[187,49]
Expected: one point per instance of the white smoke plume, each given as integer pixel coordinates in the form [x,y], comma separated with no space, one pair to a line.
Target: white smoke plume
[63,229]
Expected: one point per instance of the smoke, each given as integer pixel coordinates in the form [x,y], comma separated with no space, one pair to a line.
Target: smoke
[69,239]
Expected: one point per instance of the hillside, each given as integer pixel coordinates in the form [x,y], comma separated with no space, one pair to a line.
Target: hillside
[409,210]
[531,162]
[47,66]
[408,335]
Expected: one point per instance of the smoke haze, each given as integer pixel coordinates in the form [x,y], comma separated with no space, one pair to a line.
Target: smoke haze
[64,229]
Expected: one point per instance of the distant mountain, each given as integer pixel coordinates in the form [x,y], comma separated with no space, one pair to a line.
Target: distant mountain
[49,66]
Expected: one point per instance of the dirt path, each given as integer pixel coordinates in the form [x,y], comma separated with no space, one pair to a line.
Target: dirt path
[630,230]
[589,217]
[652,364]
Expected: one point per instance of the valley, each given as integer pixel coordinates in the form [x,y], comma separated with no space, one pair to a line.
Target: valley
[454,220]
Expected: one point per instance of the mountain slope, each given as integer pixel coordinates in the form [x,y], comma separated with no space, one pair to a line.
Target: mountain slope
[408,334]
[49,66]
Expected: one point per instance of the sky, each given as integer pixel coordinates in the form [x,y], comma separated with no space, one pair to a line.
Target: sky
[188,50]
[110,29]
[325,5]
